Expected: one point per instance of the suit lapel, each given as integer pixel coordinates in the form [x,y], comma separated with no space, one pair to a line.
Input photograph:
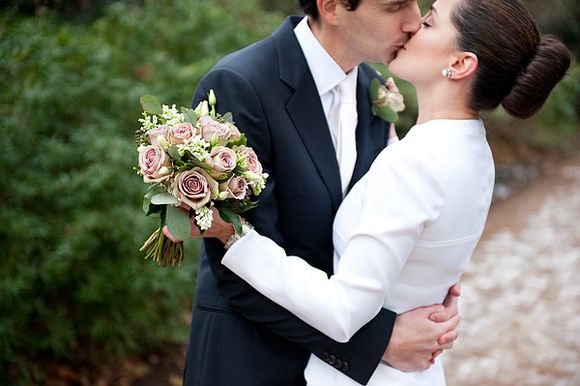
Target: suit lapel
[305,109]
[366,123]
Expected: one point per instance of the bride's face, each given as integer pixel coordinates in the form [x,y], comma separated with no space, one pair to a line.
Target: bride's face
[431,49]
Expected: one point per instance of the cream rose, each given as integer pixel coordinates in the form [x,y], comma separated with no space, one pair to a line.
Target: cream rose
[155,164]
[224,159]
[178,134]
[195,187]
[211,129]
[235,132]
[154,134]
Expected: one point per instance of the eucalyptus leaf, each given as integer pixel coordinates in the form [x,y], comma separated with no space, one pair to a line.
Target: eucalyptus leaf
[164,198]
[374,89]
[231,218]
[153,190]
[146,204]
[151,105]
[178,223]
[228,117]
[189,115]
[386,114]
[174,153]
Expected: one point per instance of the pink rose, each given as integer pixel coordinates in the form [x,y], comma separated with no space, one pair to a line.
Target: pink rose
[195,187]
[251,159]
[236,187]
[211,129]
[178,134]
[154,134]
[155,164]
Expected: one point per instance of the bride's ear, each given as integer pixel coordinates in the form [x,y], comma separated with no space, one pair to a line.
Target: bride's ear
[463,65]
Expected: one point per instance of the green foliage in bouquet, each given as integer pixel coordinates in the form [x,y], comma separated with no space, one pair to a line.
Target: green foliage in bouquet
[194,160]
[73,286]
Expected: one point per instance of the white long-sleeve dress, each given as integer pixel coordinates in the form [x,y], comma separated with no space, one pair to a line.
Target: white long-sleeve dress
[402,237]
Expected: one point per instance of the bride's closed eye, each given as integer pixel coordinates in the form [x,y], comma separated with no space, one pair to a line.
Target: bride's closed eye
[426,21]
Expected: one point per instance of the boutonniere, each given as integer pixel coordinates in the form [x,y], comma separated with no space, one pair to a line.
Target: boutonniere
[386,100]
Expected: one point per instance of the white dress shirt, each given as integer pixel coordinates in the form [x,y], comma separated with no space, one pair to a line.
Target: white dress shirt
[402,236]
[326,72]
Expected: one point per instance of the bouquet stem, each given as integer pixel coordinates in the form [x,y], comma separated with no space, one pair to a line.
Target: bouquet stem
[162,250]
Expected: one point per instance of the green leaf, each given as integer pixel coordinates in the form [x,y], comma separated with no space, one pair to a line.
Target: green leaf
[153,190]
[151,105]
[189,115]
[386,114]
[228,117]
[374,89]
[178,223]
[231,218]
[174,153]
[164,198]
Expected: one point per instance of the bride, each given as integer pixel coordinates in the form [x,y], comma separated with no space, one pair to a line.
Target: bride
[405,232]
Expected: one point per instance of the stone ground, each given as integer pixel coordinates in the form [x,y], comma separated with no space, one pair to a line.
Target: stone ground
[521,294]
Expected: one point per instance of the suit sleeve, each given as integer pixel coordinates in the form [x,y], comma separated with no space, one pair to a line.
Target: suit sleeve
[362,354]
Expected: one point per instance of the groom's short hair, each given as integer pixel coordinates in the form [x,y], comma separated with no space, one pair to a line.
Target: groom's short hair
[309,6]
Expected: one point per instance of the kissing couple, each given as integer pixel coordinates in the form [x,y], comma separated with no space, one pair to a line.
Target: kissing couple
[347,271]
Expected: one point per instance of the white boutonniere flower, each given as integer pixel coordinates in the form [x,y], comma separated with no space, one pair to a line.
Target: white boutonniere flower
[386,100]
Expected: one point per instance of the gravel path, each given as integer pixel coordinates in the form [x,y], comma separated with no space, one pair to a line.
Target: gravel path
[521,292]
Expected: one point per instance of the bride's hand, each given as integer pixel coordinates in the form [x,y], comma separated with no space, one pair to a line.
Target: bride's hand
[220,229]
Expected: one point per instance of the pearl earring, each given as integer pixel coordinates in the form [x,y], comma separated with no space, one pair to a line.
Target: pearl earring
[446,72]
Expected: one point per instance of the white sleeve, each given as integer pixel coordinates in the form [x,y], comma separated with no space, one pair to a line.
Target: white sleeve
[403,193]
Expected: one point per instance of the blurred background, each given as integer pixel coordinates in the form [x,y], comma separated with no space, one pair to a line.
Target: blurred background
[80,306]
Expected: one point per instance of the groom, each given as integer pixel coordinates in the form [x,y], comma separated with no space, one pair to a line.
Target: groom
[284,94]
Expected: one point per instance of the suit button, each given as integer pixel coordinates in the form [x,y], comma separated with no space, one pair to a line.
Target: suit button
[325,356]
[332,359]
[338,363]
[345,366]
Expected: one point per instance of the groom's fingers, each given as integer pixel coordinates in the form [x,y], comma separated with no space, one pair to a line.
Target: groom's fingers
[451,304]
[451,333]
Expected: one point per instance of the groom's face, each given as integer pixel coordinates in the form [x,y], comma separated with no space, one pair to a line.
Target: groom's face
[377,29]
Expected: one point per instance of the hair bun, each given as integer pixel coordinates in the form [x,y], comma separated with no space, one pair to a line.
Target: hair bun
[535,82]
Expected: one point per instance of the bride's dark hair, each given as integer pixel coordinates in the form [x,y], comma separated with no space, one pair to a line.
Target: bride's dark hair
[517,67]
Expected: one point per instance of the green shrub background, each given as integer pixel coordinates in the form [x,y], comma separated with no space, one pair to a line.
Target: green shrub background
[73,286]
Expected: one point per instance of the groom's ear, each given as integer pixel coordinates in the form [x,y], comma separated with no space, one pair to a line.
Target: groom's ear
[327,10]
[463,65]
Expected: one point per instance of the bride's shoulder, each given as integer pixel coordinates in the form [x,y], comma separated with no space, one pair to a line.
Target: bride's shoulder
[412,154]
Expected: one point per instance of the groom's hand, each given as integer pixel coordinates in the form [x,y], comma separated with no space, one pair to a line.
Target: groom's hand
[422,334]
[219,229]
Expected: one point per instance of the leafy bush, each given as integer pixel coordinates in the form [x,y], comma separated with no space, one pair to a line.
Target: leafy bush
[72,283]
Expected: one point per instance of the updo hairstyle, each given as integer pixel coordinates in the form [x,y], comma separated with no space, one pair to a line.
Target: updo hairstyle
[517,67]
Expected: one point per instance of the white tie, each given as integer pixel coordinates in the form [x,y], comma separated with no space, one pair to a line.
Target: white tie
[348,118]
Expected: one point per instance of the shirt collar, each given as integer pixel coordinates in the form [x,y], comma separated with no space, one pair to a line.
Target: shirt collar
[326,72]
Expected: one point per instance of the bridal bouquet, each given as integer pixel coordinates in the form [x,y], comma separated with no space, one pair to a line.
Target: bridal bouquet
[193,160]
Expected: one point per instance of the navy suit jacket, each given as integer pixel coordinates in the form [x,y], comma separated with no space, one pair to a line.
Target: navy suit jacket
[239,337]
